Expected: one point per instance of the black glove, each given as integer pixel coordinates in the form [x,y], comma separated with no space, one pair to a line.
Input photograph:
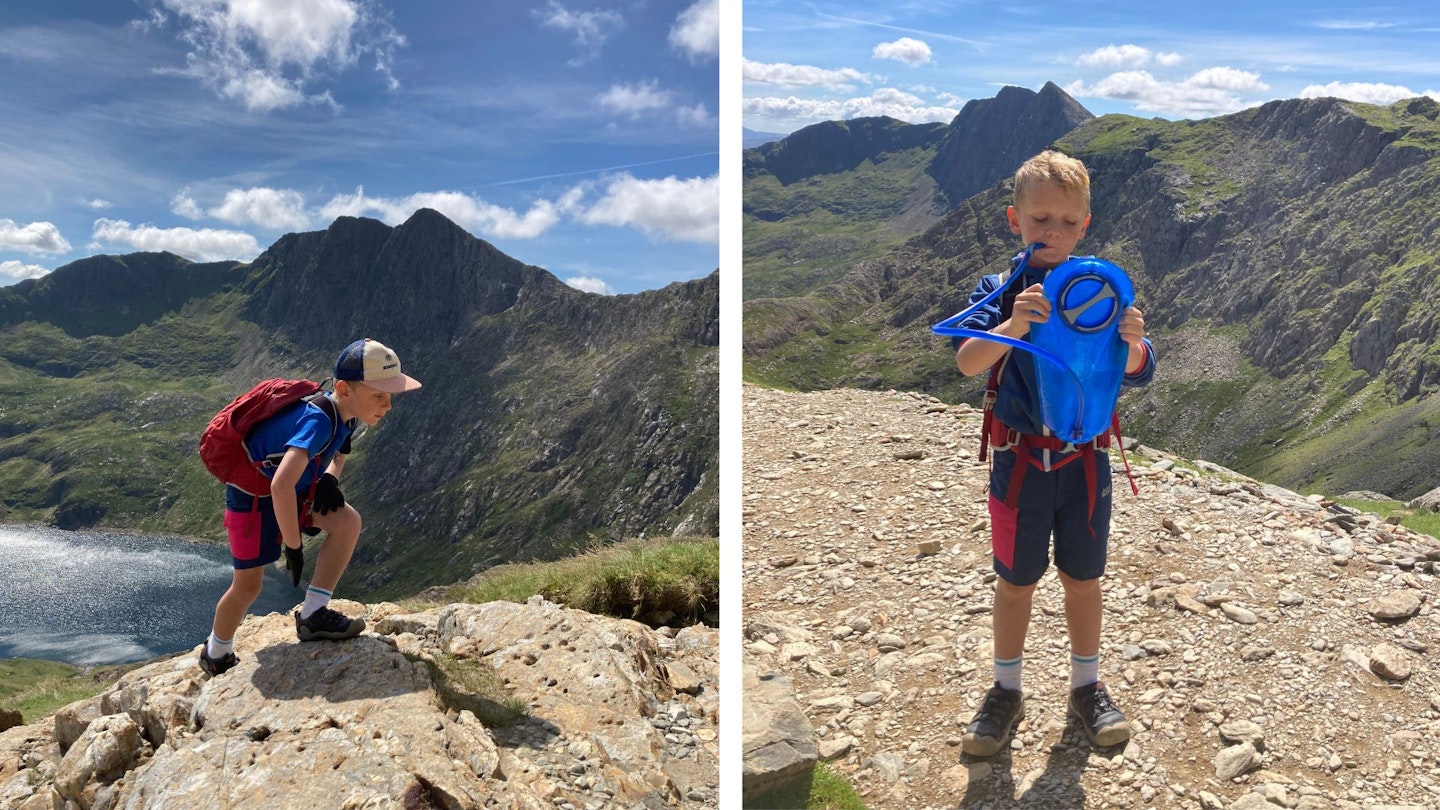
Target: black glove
[294,563]
[328,497]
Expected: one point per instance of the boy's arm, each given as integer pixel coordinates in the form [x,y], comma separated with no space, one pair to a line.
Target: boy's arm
[336,465]
[1140,364]
[282,494]
[974,356]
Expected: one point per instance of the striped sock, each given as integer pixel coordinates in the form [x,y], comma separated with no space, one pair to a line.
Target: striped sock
[1084,670]
[1008,672]
[216,649]
[315,598]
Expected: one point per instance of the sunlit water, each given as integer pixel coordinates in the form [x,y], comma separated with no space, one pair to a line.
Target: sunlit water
[96,598]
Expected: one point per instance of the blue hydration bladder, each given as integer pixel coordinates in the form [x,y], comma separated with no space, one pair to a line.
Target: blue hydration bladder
[1083,356]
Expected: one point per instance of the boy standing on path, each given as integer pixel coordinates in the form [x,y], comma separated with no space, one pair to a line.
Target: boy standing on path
[1051,207]
[298,445]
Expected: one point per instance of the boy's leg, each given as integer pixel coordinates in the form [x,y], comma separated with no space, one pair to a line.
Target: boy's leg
[1083,617]
[1020,541]
[315,620]
[1081,540]
[342,530]
[230,611]
[218,653]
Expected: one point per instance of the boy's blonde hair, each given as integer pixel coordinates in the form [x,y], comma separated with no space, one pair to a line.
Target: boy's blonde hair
[1056,169]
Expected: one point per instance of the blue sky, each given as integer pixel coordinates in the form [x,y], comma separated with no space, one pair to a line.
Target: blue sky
[921,60]
[577,135]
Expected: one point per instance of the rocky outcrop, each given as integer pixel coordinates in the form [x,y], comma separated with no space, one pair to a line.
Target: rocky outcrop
[420,714]
[1269,649]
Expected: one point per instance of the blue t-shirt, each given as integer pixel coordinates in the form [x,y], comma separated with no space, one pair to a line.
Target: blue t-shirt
[303,425]
[1017,402]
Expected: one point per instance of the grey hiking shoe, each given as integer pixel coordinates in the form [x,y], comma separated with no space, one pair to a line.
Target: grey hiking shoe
[1101,719]
[327,625]
[1002,709]
[216,666]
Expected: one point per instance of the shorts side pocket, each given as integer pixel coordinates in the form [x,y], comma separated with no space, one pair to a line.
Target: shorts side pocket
[1003,524]
[244,533]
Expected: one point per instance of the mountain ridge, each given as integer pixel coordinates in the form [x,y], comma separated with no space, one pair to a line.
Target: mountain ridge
[1280,237]
[840,190]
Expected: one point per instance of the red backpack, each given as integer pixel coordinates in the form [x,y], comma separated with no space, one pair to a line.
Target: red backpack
[222,443]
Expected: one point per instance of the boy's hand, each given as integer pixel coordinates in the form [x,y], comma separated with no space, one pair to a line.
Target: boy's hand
[1132,326]
[328,497]
[295,564]
[1031,306]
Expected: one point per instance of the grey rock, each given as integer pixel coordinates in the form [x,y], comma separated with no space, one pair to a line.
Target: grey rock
[779,744]
[1236,760]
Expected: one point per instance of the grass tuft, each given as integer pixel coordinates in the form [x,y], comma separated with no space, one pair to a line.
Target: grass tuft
[657,582]
[38,688]
[463,684]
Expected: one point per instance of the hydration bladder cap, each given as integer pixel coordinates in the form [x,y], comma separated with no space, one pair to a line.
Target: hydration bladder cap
[1088,300]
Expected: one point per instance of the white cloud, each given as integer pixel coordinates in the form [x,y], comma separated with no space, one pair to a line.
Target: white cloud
[1227,78]
[1212,91]
[634,99]
[1365,92]
[267,54]
[591,28]
[465,210]
[1354,25]
[912,52]
[696,117]
[697,30]
[884,101]
[19,271]
[97,203]
[276,209]
[34,238]
[670,208]
[591,285]
[1115,56]
[205,245]
[787,75]
[184,205]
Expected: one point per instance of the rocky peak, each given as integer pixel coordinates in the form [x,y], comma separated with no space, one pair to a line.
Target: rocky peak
[616,715]
[989,138]
[420,284]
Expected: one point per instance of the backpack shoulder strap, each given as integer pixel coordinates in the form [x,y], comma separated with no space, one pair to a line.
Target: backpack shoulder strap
[326,406]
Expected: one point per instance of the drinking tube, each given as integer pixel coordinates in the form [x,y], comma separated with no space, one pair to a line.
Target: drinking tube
[1081,284]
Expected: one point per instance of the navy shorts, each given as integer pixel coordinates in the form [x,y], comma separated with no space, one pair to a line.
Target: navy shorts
[1055,502]
[254,535]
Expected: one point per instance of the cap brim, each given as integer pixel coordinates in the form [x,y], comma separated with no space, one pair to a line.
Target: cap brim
[394,385]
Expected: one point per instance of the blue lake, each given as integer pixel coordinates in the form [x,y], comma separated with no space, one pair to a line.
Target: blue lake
[99,598]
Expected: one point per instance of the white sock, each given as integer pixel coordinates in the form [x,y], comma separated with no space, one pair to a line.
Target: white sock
[1084,670]
[216,649]
[1008,672]
[315,598]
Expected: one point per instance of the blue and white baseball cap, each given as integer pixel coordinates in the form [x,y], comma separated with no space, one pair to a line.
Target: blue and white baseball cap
[371,362]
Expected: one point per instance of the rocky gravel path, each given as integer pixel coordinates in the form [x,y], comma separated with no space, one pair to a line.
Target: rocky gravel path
[1270,650]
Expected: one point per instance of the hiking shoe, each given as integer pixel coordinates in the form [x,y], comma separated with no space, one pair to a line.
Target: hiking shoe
[215,666]
[326,624]
[1002,709]
[1102,720]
